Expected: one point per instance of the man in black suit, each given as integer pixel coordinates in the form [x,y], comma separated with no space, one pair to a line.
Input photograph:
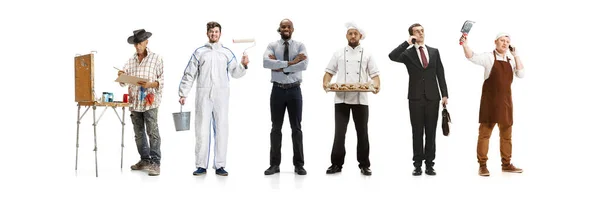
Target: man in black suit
[425,72]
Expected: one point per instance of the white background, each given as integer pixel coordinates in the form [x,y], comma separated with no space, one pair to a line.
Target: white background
[555,106]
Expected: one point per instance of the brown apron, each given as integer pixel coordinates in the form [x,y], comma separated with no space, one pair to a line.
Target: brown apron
[496,99]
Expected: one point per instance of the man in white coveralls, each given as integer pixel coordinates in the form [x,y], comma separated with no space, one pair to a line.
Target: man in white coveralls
[211,66]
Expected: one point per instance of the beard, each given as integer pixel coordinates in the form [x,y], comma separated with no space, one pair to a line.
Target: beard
[353,44]
[214,39]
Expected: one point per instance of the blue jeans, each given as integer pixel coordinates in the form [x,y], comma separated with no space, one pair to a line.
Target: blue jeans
[145,127]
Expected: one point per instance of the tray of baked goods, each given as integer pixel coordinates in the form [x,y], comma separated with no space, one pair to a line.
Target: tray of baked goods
[350,87]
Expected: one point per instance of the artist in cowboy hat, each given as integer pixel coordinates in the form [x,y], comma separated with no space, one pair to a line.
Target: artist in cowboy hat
[144,100]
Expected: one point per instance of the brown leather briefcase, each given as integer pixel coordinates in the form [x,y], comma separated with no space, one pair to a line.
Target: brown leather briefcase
[446,121]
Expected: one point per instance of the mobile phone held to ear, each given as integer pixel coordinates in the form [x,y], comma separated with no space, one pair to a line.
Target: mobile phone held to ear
[510,48]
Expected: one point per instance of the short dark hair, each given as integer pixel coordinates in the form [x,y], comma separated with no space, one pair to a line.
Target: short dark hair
[412,26]
[211,25]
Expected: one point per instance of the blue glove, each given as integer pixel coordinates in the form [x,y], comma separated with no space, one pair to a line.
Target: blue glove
[142,93]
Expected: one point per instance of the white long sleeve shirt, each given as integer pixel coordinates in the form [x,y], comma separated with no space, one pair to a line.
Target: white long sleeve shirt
[487,61]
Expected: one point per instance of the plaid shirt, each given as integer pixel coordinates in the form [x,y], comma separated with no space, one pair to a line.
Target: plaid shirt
[151,68]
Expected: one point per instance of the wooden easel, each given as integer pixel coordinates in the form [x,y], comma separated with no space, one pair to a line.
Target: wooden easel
[84,96]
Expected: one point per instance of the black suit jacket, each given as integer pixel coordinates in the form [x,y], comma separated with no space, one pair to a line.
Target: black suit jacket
[422,81]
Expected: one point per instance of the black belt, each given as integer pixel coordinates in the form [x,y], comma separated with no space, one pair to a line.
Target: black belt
[287,85]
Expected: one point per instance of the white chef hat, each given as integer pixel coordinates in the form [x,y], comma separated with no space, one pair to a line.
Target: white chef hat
[352,25]
[502,34]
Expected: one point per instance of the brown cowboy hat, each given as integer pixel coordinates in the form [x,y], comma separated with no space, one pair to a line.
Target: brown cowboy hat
[138,36]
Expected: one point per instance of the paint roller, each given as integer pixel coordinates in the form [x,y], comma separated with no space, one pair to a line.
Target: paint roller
[245,40]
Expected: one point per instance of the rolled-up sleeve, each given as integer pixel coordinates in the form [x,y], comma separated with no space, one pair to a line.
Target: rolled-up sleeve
[160,78]
[486,60]
[518,73]
[125,69]
[482,59]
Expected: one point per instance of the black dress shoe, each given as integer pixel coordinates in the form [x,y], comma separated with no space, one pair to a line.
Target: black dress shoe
[272,170]
[430,171]
[365,171]
[300,170]
[334,169]
[417,171]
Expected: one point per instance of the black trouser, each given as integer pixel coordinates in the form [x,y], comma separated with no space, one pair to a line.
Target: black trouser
[423,114]
[360,114]
[290,98]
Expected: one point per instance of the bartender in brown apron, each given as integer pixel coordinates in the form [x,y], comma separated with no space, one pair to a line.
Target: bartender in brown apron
[496,100]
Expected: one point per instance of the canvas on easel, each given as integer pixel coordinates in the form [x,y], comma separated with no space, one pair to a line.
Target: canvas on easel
[84,78]
[84,96]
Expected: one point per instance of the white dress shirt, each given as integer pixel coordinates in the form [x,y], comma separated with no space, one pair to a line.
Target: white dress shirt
[352,65]
[419,53]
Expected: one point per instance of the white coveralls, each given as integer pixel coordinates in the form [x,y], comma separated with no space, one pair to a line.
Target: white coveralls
[211,65]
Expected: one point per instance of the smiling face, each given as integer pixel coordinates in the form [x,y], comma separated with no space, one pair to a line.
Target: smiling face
[286,28]
[213,31]
[502,44]
[213,34]
[353,37]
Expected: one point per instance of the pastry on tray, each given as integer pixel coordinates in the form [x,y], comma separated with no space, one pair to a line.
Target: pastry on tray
[334,86]
[359,87]
[364,86]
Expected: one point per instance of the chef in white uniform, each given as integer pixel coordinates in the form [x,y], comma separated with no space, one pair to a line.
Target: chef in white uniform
[352,64]
[211,66]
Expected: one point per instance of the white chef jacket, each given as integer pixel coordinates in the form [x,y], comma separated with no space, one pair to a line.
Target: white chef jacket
[352,65]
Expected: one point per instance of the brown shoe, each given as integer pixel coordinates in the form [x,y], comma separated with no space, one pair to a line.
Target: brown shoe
[511,168]
[141,165]
[483,171]
[154,170]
